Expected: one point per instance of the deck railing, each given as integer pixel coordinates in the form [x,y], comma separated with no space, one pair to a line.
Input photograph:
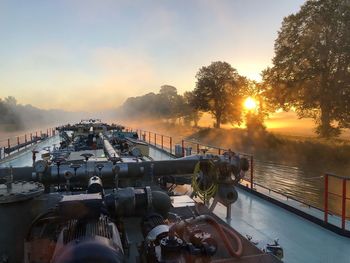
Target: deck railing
[16,144]
[337,197]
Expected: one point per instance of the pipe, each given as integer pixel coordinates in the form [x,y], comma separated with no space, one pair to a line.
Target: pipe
[110,151]
[127,171]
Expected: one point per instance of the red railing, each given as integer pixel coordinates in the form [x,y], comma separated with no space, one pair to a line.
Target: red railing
[17,143]
[337,197]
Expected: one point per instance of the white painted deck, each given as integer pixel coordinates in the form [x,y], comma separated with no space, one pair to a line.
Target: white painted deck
[302,240]
[24,158]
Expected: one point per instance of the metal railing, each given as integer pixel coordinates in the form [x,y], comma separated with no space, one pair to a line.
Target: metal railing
[337,197]
[16,144]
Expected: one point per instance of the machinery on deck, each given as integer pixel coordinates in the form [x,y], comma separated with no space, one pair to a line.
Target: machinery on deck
[99,199]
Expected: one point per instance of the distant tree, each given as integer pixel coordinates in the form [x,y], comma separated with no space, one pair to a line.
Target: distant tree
[190,108]
[169,102]
[168,91]
[311,67]
[219,91]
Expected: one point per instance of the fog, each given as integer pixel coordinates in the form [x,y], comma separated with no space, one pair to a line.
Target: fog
[16,118]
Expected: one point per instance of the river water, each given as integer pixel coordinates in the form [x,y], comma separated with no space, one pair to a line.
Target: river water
[303,184]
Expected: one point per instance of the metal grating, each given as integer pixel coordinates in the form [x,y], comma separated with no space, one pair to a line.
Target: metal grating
[77,229]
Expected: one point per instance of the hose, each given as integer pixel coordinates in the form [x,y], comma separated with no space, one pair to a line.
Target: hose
[208,193]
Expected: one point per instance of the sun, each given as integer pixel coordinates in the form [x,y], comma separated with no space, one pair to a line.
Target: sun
[250,103]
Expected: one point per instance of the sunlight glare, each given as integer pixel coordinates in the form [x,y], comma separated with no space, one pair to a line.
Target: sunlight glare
[250,103]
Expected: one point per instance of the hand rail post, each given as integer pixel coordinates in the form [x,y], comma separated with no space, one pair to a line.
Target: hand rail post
[149,137]
[155,139]
[251,172]
[171,145]
[197,148]
[343,209]
[219,151]
[18,143]
[326,198]
[183,148]
[162,142]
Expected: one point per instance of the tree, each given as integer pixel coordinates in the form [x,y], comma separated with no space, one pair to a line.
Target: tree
[255,118]
[190,108]
[169,102]
[311,67]
[219,91]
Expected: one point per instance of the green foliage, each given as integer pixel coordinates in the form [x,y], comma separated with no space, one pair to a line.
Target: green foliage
[167,104]
[219,90]
[311,67]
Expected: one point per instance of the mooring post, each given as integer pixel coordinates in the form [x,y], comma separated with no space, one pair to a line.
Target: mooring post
[171,145]
[326,198]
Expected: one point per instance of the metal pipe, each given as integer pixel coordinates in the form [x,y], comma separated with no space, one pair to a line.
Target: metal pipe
[110,151]
[126,171]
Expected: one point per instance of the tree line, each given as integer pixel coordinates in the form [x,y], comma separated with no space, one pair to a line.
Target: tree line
[15,116]
[310,74]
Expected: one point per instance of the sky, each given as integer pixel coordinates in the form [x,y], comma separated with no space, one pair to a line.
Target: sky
[92,55]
